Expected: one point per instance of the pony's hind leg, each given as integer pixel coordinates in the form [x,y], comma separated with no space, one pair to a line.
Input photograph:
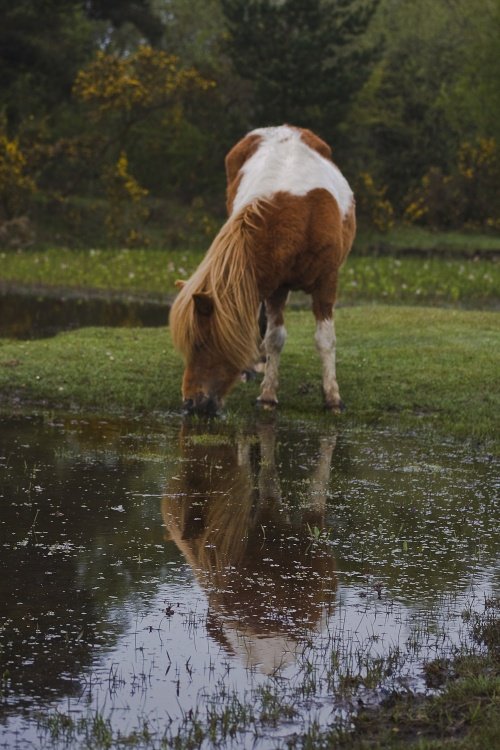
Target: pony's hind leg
[325,340]
[274,341]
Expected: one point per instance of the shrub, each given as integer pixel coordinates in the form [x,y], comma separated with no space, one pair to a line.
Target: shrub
[372,204]
[468,197]
[16,186]
[127,209]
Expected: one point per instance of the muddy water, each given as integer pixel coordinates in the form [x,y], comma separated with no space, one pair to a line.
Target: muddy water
[150,571]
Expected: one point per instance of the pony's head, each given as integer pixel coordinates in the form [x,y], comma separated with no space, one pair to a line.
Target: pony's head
[213,322]
[209,374]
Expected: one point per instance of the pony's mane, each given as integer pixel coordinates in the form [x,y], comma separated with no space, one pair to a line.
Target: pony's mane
[227,274]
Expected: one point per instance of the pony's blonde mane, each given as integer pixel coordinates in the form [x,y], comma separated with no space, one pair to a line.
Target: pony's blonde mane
[227,274]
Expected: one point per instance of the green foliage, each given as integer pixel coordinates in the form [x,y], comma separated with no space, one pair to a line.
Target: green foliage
[469,195]
[42,46]
[372,203]
[137,105]
[406,93]
[473,101]
[146,80]
[424,109]
[400,117]
[303,57]
[127,210]
[138,13]
[16,185]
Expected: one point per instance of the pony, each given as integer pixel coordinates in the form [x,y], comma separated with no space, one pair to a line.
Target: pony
[291,224]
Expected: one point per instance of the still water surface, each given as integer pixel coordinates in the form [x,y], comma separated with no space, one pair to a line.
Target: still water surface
[150,570]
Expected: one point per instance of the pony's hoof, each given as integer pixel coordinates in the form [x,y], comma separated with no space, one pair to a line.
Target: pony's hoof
[337,408]
[267,404]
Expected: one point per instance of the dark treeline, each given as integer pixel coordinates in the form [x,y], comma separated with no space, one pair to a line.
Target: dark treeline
[115,115]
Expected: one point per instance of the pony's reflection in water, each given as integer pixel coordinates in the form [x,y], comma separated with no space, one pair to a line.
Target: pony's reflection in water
[267,575]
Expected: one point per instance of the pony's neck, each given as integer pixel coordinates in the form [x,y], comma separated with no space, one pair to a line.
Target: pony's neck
[230,279]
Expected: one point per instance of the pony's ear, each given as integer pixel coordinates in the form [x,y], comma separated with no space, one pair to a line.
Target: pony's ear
[179,283]
[203,304]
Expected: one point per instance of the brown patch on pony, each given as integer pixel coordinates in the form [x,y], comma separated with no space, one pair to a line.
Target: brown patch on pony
[234,161]
[226,277]
[300,243]
[348,232]
[314,142]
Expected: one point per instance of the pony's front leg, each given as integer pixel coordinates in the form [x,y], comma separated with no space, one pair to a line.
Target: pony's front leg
[274,341]
[325,344]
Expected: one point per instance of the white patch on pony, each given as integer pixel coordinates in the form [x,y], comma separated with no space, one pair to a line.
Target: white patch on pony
[284,163]
[325,343]
[274,342]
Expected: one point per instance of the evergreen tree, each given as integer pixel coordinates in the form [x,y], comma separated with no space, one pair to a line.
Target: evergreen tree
[304,57]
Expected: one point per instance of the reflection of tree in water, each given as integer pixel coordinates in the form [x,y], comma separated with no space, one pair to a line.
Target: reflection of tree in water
[268,579]
[57,538]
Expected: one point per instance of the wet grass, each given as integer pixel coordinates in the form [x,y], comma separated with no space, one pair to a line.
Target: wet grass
[434,370]
[406,280]
[460,711]
[464,713]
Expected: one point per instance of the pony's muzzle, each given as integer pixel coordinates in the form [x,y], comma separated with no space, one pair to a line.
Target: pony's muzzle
[188,406]
[202,405]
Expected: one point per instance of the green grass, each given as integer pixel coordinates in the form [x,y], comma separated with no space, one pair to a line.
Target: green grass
[432,281]
[463,715]
[435,370]
[405,238]
[146,271]
[440,281]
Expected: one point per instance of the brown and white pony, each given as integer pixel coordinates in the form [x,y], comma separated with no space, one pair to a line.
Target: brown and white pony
[291,225]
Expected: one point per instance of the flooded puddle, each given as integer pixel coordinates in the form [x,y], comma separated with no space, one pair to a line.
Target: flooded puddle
[179,576]
[27,313]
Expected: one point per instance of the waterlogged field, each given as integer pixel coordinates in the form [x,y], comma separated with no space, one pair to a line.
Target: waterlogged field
[192,585]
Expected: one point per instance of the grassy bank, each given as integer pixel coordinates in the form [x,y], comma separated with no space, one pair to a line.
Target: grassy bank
[415,368]
[405,280]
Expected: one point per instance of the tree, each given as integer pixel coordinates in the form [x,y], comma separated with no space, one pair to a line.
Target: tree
[474,100]
[435,88]
[138,13]
[304,58]
[43,44]
[402,121]
[137,104]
